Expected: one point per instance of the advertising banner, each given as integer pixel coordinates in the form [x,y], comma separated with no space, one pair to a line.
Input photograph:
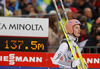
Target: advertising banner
[37,59]
[29,59]
[23,34]
[31,27]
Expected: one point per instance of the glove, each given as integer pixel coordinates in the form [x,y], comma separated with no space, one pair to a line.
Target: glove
[75,63]
[86,66]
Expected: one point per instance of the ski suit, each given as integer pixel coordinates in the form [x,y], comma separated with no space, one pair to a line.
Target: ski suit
[65,53]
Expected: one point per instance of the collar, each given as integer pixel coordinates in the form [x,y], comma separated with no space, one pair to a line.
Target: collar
[72,38]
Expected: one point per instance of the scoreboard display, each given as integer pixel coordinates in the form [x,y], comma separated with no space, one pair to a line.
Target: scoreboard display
[28,44]
[23,34]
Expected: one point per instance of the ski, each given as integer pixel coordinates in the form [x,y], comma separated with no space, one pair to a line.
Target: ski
[63,9]
[77,48]
[65,31]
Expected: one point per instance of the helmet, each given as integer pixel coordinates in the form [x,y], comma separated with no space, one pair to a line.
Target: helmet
[70,24]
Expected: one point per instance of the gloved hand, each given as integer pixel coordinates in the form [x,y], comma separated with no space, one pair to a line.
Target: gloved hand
[75,63]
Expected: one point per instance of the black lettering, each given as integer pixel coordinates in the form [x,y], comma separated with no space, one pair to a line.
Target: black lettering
[58,55]
[21,26]
[3,26]
[12,26]
[17,26]
[28,27]
[36,26]
[40,27]
[33,27]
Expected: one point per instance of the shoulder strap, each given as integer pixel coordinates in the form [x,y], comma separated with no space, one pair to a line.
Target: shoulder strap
[64,40]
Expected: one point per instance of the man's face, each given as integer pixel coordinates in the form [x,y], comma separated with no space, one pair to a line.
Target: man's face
[76,30]
[98,37]
[69,14]
[83,31]
[88,13]
[28,8]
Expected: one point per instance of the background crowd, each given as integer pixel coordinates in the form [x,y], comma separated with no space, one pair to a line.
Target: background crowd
[86,11]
